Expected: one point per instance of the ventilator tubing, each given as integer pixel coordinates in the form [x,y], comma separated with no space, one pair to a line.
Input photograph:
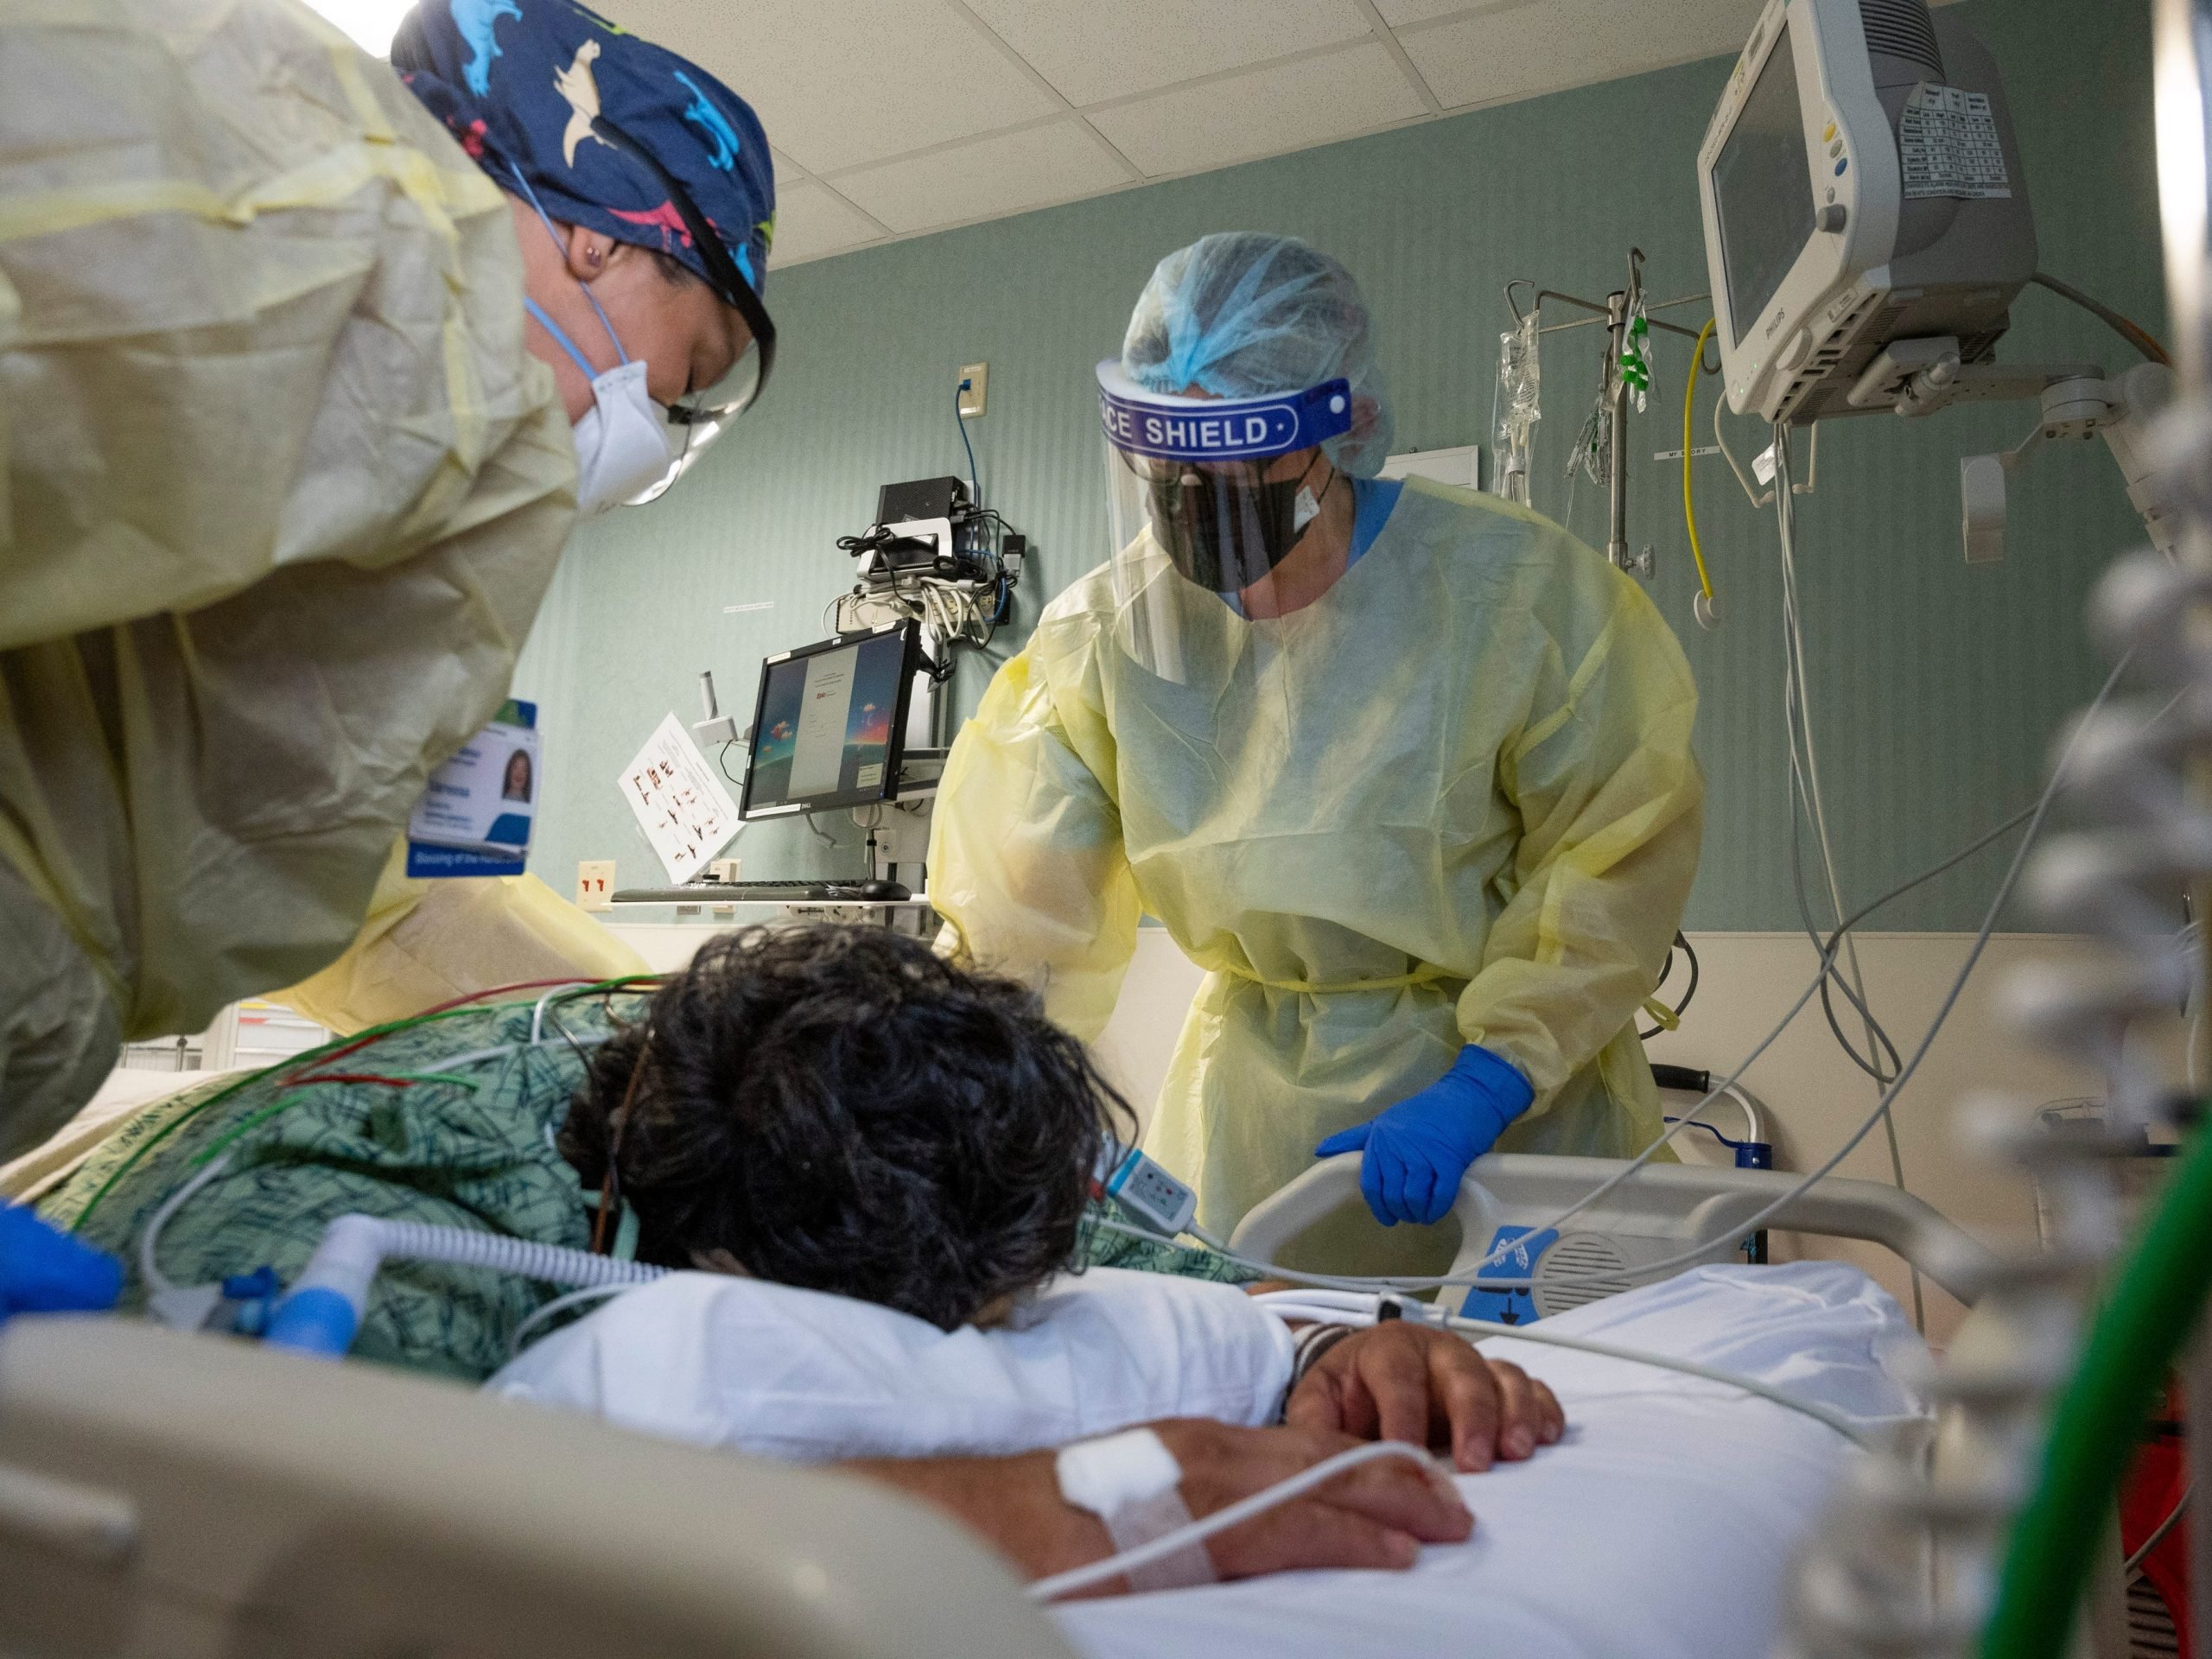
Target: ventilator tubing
[322,1311]
[2152,1307]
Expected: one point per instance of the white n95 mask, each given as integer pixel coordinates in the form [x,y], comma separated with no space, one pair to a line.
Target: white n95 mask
[622,441]
[622,448]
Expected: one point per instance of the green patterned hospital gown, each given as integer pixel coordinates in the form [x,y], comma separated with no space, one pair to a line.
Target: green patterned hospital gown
[377,1131]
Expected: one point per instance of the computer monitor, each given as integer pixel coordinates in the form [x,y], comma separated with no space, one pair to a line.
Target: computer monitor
[1861,185]
[829,726]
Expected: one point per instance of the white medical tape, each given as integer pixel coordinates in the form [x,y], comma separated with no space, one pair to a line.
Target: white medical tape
[1132,1481]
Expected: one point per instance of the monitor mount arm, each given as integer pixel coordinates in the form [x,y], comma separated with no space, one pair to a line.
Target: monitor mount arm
[1915,378]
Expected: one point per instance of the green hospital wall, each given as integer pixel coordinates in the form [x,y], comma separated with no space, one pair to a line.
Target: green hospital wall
[1936,686]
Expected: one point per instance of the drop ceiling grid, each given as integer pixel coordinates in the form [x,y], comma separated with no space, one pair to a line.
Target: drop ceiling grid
[893,118]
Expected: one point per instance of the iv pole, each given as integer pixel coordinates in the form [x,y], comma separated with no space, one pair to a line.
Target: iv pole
[1619,306]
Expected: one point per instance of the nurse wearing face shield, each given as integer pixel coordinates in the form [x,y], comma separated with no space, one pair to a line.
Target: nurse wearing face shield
[1408,770]
[305,370]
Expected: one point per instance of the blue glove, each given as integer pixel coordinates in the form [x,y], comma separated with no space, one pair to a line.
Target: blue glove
[44,1270]
[1415,1153]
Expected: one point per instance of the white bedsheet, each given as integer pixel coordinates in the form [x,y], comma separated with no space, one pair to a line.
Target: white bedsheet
[1662,1526]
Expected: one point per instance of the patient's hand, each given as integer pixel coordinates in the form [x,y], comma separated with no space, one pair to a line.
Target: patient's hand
[1376,1515]
[1401,1381]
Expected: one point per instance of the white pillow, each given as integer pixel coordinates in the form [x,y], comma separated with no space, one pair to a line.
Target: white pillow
[805,1376]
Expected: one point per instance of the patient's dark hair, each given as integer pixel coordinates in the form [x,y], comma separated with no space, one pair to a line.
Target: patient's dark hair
[841,1110]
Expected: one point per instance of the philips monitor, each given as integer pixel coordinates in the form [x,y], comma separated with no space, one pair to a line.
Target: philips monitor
[1861,185]
[829,723]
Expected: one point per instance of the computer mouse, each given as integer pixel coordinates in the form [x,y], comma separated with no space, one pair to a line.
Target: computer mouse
[885,891]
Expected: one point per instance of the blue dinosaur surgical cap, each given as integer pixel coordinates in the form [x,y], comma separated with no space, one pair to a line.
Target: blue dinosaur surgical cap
[1244,314]
[528,87]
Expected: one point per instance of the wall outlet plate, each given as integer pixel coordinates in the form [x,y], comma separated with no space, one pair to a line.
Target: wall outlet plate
[595,884]
[978,376]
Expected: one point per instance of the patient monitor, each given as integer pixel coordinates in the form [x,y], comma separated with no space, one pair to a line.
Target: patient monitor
[1861,185]
[1866,231]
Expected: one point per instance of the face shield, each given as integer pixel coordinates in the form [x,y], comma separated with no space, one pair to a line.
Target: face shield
[695,420]
[1198,497]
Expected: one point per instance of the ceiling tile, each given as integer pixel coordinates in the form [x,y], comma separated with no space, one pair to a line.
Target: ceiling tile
[1548,44]
[1096,49]
[1263,112]
[1001,174]
[1399,13]
[787,168]
[812,221]
[841,83]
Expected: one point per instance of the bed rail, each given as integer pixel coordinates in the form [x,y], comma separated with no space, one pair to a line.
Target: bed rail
[1659,1211]
[165,1495]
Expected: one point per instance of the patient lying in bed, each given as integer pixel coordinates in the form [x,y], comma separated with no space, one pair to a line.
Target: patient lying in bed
[834,1108]
[1662,1526]
[831,1110]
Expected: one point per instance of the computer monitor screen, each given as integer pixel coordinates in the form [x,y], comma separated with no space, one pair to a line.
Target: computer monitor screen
[828,725]
[1763,190]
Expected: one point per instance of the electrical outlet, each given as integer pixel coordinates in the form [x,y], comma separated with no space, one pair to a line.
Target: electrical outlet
[974,379]
[595,884]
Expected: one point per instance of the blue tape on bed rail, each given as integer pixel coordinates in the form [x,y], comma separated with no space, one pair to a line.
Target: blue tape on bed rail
[1508,1305]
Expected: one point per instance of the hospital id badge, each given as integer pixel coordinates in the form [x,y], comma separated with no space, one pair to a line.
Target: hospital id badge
[477,813]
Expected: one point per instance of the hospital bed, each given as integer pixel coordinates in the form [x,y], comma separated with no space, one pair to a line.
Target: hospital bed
[1655,1216]
[187,1495]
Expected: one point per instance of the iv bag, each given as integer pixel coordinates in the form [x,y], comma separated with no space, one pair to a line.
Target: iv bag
[1514,408]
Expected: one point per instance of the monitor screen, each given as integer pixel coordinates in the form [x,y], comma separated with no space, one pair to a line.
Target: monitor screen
[826,729]
[1763,185]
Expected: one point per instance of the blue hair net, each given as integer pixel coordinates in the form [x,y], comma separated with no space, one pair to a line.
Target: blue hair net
[1243,314]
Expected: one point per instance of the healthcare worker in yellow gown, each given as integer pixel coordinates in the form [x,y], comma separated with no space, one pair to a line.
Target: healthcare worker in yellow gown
[1406,769]
[307,363]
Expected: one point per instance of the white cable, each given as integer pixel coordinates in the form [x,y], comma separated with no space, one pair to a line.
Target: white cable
[2158,1533]
[1958,986]
[149,1274]
[1819,1413]
[1721,438]
[537,1013]
[562,1305]
[477,1055]
[1342,1309]
[459,1062]
[1797,713]
[1234,1515]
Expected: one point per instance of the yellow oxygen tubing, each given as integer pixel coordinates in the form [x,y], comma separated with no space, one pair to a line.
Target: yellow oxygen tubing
[1709,612]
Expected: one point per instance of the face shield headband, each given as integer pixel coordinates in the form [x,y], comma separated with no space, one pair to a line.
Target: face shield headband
[1195,469]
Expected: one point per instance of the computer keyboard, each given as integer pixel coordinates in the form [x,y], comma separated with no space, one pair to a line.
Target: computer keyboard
[741,892]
